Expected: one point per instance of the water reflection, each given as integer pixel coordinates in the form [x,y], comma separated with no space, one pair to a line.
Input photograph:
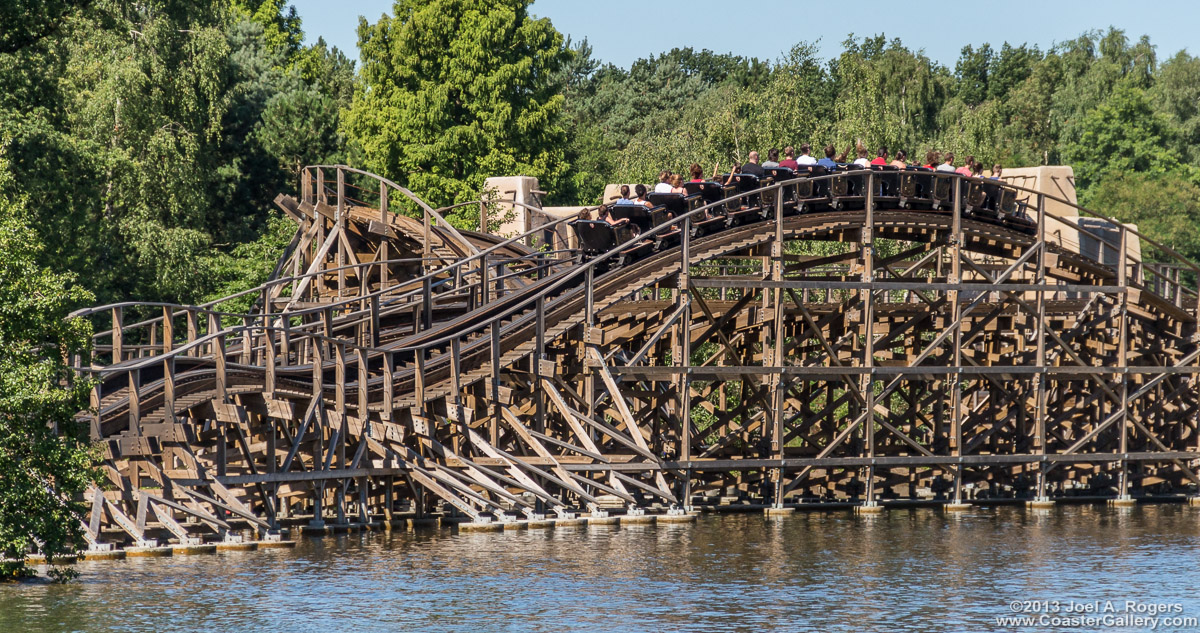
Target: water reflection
[905,570]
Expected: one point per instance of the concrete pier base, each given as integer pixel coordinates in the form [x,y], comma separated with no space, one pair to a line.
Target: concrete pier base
[956,506]
[869,508]
[275,544]
[481,526]
[235,543]
[1040,503]
[275,540]
[637,516]
[576,522]
[539,524]
[676,515]
[1194,501]
[602,517]
[244,546]
[148,551]
[109,554]
[1124,501]
[193,548]
[778,510]
[103,551]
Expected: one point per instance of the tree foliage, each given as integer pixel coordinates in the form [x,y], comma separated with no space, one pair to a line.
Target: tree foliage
[44,456]
[1099,102]
[160,132]
[451,92]
[1121,135]
[1163,205]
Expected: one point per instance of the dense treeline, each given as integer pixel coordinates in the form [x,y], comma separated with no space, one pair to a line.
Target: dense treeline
[150,138]
[1128,123]
[141,145]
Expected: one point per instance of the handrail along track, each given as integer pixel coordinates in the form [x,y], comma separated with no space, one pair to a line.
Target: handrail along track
[1010,366]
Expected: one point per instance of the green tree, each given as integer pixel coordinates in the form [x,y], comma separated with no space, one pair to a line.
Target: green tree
[280,24]
[1123,134]
[886,94]
[1176,93]
[1009,68]
[328,70]
[1029,129]
[586,149]
[25,22]
[1093,66]
[972,72]
[1165,207]
[44,456]
[154,136]
[793,106]
[111,159]
[451,92]
[710,68]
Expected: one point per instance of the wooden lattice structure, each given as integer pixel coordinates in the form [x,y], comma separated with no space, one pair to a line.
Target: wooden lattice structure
[878,351]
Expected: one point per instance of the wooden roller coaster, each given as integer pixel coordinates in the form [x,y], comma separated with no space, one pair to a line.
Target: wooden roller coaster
[862,337]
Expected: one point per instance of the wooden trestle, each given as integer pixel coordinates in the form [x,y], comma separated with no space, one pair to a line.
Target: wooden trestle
[396,367]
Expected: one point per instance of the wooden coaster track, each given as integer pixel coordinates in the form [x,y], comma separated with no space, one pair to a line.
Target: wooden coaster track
[871,349]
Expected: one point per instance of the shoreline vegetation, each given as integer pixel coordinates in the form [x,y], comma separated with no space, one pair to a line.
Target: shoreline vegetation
[141,146]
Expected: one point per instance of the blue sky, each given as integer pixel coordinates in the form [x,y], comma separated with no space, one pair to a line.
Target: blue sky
[621,31]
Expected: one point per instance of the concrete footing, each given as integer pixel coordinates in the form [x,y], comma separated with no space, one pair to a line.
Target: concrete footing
[238,546]
[1194,501]
[193,548]
[1040,503]
[576,522]
[956,506]
[539,524]
[515,525]
[602,517]
[275,544]
[778,511]
[1124,501]
[111,554]
[479,526]
[676,516]
[638,519]
[869,507]
[146,552]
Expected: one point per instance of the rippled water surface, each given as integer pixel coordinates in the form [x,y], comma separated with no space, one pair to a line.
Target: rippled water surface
[907,570]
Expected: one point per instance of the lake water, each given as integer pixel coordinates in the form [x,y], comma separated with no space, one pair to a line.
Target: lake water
[906,570]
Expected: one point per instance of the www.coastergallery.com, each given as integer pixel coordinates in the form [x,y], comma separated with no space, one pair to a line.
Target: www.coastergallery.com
[1107,621]
[1108,614]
